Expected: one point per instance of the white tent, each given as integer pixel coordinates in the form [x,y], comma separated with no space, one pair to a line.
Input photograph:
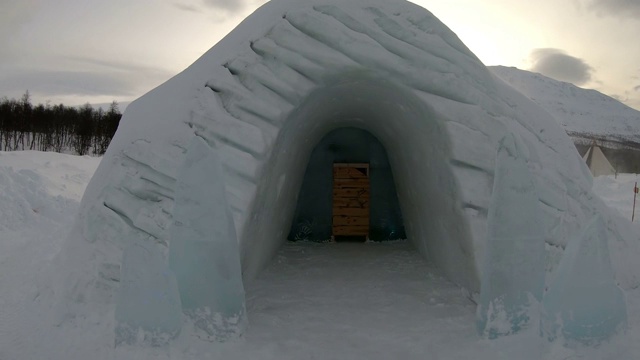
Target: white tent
[597,162]
[202,176]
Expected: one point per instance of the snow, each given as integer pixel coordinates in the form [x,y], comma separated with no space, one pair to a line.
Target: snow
[40,191]
[619,190]
[148,309]
[583,302]
[39,197]
[326,301]
[513,273]
[261,100]
[288,75]
[583,113]
[203,253]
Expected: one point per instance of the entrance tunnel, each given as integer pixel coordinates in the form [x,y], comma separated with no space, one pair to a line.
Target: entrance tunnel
[313,217]
[362,118]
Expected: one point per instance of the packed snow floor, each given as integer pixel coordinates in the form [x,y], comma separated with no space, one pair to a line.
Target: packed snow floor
[365,300]
[315,301]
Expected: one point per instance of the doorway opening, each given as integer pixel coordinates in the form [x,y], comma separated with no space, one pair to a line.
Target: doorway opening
[350,205]
[348,192]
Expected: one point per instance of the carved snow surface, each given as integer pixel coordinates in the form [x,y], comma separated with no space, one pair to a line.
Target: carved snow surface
[203,252]
[513,271]
[583,303]
[263,97]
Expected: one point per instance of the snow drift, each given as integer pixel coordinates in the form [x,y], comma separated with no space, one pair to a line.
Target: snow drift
[262,99]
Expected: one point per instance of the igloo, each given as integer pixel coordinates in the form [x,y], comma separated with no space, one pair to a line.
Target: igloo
[229,139]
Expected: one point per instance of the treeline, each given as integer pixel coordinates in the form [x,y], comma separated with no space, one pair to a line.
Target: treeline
[81,130]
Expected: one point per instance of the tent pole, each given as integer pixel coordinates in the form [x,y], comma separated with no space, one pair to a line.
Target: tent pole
[635,192]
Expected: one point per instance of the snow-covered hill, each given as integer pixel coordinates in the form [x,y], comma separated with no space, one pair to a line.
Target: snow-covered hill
[585,114]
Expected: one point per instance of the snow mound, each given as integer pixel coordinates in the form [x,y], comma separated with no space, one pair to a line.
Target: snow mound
[263,98]
[39,197]
[40,190]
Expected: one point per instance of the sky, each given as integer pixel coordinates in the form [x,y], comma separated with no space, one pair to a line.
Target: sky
[98,51]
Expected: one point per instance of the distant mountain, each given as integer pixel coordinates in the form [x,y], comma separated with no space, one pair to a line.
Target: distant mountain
[586,115]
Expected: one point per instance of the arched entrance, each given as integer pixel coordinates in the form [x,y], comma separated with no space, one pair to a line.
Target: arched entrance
[418,152]
[318,204]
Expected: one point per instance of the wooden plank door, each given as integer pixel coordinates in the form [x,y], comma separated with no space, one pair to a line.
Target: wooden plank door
[350,199]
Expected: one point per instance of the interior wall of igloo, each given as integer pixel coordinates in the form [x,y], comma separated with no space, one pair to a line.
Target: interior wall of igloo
[418,151]
[312,219]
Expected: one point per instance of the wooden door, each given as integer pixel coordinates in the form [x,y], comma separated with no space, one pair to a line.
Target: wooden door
[350,199]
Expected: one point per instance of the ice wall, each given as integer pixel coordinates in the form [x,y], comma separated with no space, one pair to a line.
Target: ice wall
[313,216]
[583,303]
[514,260]
[148,309]
[203,253]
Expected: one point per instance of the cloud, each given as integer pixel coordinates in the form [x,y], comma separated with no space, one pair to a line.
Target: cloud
[46,82]
[637,88]
[13,16]
[185,7]
[114,66]
[94,78]
[556,64]
[228,5]
[221,9]
[16,13]
[619,8]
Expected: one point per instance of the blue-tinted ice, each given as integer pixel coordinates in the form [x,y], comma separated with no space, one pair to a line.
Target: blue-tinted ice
[204,252]
[513,270]
[583,303]
[148,304]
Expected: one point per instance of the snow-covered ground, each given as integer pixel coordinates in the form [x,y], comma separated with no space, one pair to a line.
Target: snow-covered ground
[39,197]
[315,301]
[617,192]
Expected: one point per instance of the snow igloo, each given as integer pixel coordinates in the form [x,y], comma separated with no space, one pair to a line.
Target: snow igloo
[200,184]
